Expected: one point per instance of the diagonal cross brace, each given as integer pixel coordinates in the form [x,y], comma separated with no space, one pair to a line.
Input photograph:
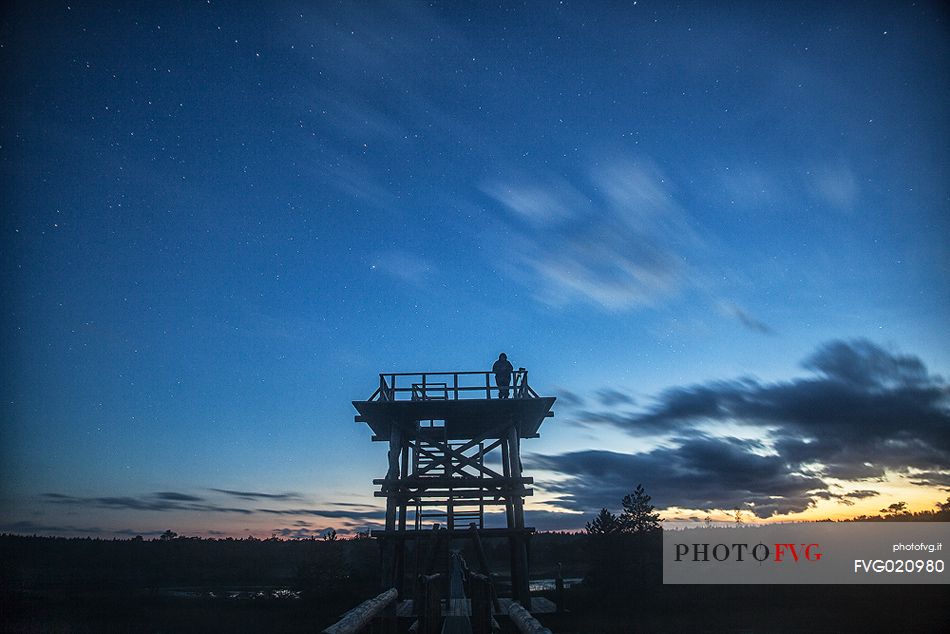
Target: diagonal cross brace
[457,452]
[462,459]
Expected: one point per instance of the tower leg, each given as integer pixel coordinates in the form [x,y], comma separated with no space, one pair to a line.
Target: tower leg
[391,553]
[519,550]
[401,503]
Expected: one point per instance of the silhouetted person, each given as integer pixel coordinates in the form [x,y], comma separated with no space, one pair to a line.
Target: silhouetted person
[502,369]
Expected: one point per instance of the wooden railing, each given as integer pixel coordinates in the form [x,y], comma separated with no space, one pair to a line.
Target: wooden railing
[443,386]
[464,612]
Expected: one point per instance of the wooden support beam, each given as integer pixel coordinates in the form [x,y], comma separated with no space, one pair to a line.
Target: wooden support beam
[429,600]
[486,533]
[359,617]
[518,545]
[499,496]
[390,554]
[483,564]
[494,432]
[481,602]
[497,431]
[523,620]
[447,481]
[456,465]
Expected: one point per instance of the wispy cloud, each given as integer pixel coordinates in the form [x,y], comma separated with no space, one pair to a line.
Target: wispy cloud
[834,185]
[750,187]
[404,266]
[617,240]
[540,204]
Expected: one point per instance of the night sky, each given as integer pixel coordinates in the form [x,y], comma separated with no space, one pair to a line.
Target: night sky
[716,231]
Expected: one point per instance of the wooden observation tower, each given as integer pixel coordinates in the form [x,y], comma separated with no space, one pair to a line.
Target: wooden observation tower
[454,463]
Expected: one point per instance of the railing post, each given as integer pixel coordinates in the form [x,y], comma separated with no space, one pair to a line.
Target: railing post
[488,385]
[430,614]
[483,564]
[480,589]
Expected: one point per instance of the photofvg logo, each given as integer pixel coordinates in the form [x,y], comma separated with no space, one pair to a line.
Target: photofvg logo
[777,553]
[819,552]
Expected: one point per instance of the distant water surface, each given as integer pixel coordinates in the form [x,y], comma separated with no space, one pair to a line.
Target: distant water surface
[233,593]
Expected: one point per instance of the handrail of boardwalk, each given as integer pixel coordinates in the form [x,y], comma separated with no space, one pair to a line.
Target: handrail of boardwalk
[523,620]
[359,617]
[441,386]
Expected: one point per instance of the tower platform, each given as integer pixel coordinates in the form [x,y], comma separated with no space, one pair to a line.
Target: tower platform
[461,405]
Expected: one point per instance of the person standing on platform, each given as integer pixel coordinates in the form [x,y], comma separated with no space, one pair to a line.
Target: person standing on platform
[502,369]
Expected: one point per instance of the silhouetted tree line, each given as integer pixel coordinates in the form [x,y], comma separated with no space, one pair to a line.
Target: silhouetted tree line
[318,565]
[322,566]
[898,512]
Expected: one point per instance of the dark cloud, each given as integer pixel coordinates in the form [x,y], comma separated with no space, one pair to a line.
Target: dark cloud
[361,526]
[27,527]
[163,501]
[860,495]
[609,397]
[867,411]
[933,479]
[864,364]
[254,495]
[864,412]
[374,514]
[701,472]
[353,505]
[845,498]
[171,501]
[567,398]
[179,497]
[744,318]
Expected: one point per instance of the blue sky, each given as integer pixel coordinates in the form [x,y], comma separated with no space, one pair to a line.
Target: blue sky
[221,222]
